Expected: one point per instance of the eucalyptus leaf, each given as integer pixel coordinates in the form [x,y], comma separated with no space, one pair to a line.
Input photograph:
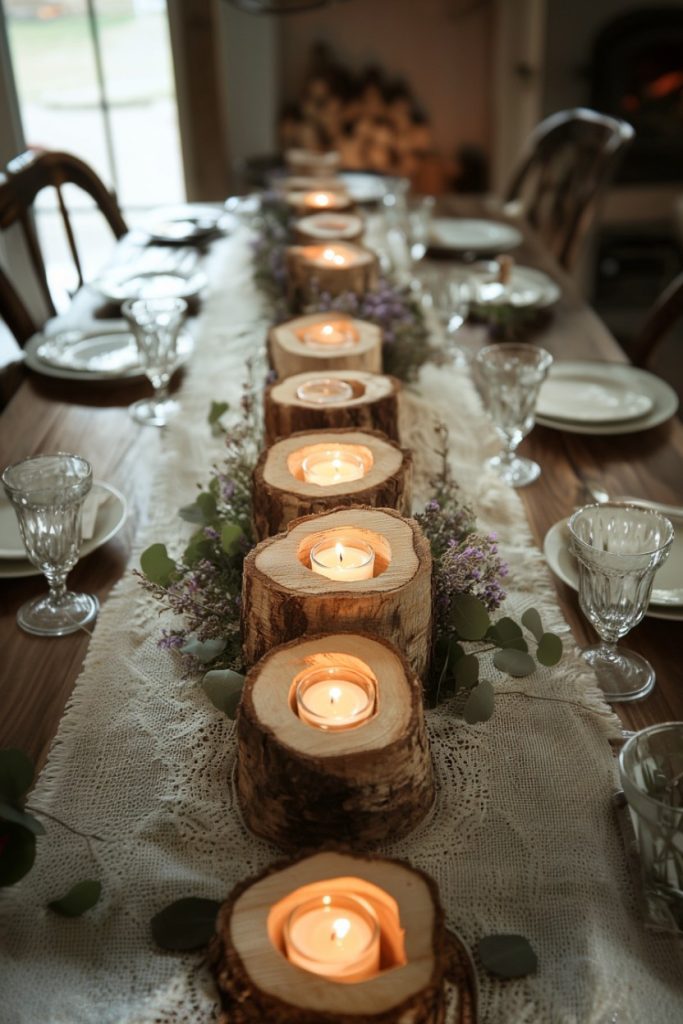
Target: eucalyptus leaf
[549,649]
[231,535]
[466,671]
[186,924]
[503,630]
[16,776]
[215,412]
[455,652]
[17,852]
[81,897]
[515,663]
[203,509]
[19,817]
[198,549]
[532,620]
[479,704]
[507,956]
[203,650]
[469,617]
[224,688]
[156,564]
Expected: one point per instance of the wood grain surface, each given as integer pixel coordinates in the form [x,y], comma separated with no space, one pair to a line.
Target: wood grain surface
[37,675]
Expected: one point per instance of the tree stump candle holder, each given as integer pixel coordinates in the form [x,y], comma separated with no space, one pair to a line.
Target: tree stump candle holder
[329,227]
[371,573]
[312,472]
[271,965]
[337,399]
[318,200]
[332,267]
[321,342]
[350,763]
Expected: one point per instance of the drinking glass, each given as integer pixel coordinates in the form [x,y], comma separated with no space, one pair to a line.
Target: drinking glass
[651,773]
[619,547]
[509,377]
[451,295]
[155,323]
[47,493]
[419,225]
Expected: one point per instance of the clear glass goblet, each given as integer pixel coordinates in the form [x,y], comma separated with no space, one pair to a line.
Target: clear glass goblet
[419,226]
[509,377]
[47,493]
[156,323]
[451,296]
[619,548]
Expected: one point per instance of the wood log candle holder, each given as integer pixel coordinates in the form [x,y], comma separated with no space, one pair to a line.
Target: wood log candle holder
[306,161]
[281,492]
[332,267]
[256,960]
[303,782]
[329,227]
[283,598]
[321,342]
[330,200]
[309,401]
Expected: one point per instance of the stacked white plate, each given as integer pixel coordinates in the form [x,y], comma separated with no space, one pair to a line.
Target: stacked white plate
[104,513]
[666,601]
[93,355]
[186,224]
[584,397]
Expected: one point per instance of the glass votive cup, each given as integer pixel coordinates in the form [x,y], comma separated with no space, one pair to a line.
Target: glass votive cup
[332,466]
[344,561]
[336,936]
[335,698]
[330,334]
[324,391]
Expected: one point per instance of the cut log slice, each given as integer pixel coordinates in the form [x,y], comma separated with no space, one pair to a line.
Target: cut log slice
[328,199]
[332,267]
[281,493]
[300,785]
[373,404]
[329,227]
[257,982]
[321,342]
[283,598]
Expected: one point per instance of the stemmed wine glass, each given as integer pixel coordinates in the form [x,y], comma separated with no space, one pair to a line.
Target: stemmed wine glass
[155,323]
[451,296]
[47,493]
[509,377]
[619,547]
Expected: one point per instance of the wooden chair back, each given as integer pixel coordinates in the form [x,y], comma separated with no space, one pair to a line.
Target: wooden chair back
[24,177]
[667,309]
[571,158]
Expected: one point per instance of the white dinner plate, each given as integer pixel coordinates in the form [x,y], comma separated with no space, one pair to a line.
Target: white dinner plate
[595,381]
[98,355]
[369,188]
[461,234]
[527,288]
[667,595]
[110,517]
[121,283]
[185,223]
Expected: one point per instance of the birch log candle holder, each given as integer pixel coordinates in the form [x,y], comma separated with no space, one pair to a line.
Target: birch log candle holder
[337,399]
[371,573]
[329,227]
[332,744]
[334,938]
[332,267]
[316,471]
[321,342]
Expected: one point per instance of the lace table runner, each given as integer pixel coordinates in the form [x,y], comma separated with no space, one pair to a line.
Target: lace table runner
[522,837]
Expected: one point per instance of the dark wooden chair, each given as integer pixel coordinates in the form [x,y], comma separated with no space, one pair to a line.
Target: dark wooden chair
[571,157]
[667,310]
[24,177]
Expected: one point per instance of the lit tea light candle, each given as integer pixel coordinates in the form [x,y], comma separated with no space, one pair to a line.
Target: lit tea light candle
[321,200]
[332,466]
[343,562]
[333,257]
[335,698]
[324,391]
[331,334]
[335,935]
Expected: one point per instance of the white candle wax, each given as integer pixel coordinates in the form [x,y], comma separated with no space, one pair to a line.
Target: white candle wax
[337,936]
[324,391]
[333,334]
[343,562]
[335,698]
[332,467]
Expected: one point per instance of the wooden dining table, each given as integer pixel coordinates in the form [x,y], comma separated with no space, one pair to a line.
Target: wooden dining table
[38,674]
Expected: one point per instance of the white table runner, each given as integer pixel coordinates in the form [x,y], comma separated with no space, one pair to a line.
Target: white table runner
[522,837]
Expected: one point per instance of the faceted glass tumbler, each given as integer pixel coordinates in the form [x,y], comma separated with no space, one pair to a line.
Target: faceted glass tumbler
[651,772]
[47,493]
[509,377]
[619,547]
[155,324]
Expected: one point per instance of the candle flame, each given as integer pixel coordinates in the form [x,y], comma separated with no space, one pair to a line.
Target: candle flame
[340,929]
[321,199]
[335,694]
[339,548]
[327,329]
[330,255]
